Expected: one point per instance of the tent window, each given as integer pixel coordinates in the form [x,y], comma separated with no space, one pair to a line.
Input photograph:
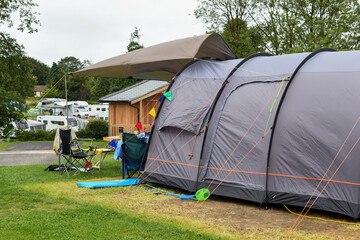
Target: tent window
[185,114]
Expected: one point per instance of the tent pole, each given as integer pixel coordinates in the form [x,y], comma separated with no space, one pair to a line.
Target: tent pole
[216,99]
[67,111]
[277,115]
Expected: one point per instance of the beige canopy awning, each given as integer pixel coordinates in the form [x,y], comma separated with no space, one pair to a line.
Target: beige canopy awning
[161,61]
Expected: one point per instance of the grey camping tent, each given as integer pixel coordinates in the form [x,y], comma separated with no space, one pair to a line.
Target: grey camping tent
[268,129]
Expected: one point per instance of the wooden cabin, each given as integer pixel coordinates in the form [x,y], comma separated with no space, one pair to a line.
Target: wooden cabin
[131,105]
[39,90]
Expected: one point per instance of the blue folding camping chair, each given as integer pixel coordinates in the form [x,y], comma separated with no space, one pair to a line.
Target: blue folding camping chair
[133,150]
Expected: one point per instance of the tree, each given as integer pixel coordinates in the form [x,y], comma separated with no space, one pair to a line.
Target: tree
[218,13]
[306,25]
[283,26]
[16,80]
[118,84]
[71,64]
[101,88]
[25,9]
[231,20]
[55,74]
[11,109]
[243,41]
[39,70]
[15,69]
[78,86]
[134,41]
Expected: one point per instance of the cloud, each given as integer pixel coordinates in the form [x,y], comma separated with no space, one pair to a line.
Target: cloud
[96,30]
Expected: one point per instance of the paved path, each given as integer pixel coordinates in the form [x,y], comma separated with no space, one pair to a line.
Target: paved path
[27,153]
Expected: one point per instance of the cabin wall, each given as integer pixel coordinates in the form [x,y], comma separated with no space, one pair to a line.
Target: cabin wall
[121,114]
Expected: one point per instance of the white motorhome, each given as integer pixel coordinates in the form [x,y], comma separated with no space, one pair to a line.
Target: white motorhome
[47,101]
[80,109]
[72,108]
[78,112]
[53,122]
[96,109]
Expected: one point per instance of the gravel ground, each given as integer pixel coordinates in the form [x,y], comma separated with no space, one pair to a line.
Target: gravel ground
[27,153]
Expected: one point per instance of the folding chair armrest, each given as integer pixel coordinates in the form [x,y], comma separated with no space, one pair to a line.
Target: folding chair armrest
[76,145]
[93,148]
[84,147]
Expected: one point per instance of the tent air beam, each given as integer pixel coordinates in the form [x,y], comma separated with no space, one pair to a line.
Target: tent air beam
[278,110]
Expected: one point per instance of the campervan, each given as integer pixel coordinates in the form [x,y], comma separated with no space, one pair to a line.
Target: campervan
[79,112]
[96,109]
[79,109]
[71,108]
[53,122]
[43,104]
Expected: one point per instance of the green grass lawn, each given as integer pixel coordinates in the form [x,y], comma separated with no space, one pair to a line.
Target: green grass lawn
[45,205]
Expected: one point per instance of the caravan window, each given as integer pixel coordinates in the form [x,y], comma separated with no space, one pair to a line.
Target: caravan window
[103,109]
[72,122]
[60,123]
[22,124]
[97,109]
[89,109]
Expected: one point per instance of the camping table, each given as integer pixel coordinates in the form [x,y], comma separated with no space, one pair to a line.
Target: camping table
[110,138]
[103,153]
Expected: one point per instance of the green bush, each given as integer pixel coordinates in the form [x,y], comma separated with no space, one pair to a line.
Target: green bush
[38,135]
[94,129]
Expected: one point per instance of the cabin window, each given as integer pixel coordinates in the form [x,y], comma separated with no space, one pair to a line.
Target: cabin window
[45,122]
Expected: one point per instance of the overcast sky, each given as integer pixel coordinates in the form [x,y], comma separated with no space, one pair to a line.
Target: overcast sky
[99,29]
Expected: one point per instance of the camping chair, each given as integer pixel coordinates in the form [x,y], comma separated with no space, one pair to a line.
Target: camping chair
[133,154]
[78,158]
